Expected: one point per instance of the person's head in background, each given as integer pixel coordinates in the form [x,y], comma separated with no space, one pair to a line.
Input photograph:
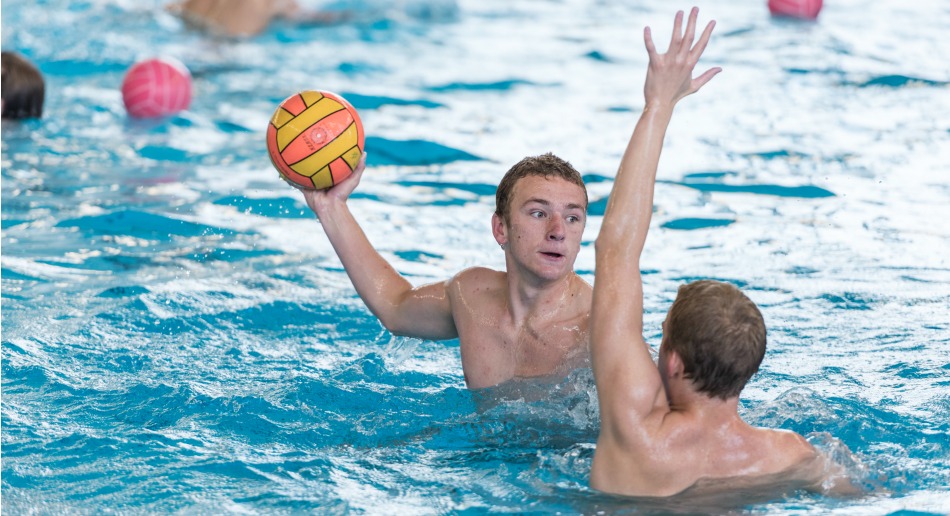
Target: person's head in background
[23,88]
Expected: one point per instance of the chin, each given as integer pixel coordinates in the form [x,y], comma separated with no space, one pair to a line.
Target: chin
[553,274]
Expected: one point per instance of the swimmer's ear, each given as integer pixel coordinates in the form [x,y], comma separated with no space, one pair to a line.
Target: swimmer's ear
[499,229]
[674,365]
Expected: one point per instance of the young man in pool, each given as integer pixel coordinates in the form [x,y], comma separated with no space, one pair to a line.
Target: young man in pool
[528,321]
[674,425]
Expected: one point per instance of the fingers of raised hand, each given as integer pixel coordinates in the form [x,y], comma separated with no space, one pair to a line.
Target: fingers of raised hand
[676,39]
[707,76]
[648,41]
[700,46]
[690,30]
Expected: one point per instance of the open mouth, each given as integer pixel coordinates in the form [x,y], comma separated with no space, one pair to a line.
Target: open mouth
[552,254]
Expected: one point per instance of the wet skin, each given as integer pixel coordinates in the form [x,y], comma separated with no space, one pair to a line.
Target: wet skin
[527,321]
[531,320]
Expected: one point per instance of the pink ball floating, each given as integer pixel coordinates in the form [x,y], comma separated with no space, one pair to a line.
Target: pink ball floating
[803,9]
[156,87]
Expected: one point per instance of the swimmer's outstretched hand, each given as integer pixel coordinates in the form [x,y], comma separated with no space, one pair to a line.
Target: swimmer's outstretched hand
[670,75]
[321,200]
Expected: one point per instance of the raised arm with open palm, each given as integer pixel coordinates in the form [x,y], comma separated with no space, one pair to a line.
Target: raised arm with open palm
[631,393]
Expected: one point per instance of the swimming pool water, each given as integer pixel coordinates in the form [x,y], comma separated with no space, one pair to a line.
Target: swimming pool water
[178,335]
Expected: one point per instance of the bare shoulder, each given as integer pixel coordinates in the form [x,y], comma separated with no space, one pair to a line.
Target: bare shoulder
[478,273]
[478,288]
[793,444]
[790,452]
[477,278]
[819,472]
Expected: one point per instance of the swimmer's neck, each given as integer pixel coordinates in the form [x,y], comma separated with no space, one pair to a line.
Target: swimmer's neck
[684,399]
[540,300]
[682,395]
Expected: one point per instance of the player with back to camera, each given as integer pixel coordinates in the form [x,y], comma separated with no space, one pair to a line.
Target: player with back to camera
[527,321]
[23,88]
[674,425]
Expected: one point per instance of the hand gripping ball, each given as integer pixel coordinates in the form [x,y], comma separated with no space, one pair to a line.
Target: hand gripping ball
[315,139]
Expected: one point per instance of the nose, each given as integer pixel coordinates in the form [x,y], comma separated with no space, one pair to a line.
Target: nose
[556,229]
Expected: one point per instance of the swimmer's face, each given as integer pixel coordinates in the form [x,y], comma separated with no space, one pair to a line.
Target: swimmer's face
[545,225]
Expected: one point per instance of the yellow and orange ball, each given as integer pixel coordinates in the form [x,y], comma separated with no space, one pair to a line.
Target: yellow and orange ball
[315,139]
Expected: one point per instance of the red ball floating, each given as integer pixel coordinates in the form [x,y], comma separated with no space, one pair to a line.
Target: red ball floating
[156,87]
[803,9]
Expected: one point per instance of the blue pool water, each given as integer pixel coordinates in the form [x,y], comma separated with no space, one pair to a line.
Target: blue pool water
[178,334]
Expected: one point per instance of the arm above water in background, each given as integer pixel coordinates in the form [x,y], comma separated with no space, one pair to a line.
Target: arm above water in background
[629,386]
[422,312]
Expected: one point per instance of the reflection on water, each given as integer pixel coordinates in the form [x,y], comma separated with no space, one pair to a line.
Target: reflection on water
[178,335]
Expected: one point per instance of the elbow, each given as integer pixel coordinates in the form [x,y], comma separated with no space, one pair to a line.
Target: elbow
[396,322]
[388,309]
[398,331]
[391,323]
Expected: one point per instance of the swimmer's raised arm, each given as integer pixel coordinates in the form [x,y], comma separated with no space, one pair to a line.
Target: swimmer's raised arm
[422,312]
[628,383]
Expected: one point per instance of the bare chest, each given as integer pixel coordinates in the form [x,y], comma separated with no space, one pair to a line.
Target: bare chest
[495,350]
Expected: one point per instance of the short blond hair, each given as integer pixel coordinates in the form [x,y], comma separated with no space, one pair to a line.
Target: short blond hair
[719,334]
[545,165]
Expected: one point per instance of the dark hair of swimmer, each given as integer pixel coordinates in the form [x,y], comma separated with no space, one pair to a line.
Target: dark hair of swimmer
[23,88]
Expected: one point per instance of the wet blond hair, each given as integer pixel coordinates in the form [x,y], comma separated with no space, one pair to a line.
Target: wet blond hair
[546,165]
[718,333]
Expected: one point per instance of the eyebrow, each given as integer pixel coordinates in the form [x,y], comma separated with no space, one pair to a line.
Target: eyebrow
[537,200]
[545,202]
